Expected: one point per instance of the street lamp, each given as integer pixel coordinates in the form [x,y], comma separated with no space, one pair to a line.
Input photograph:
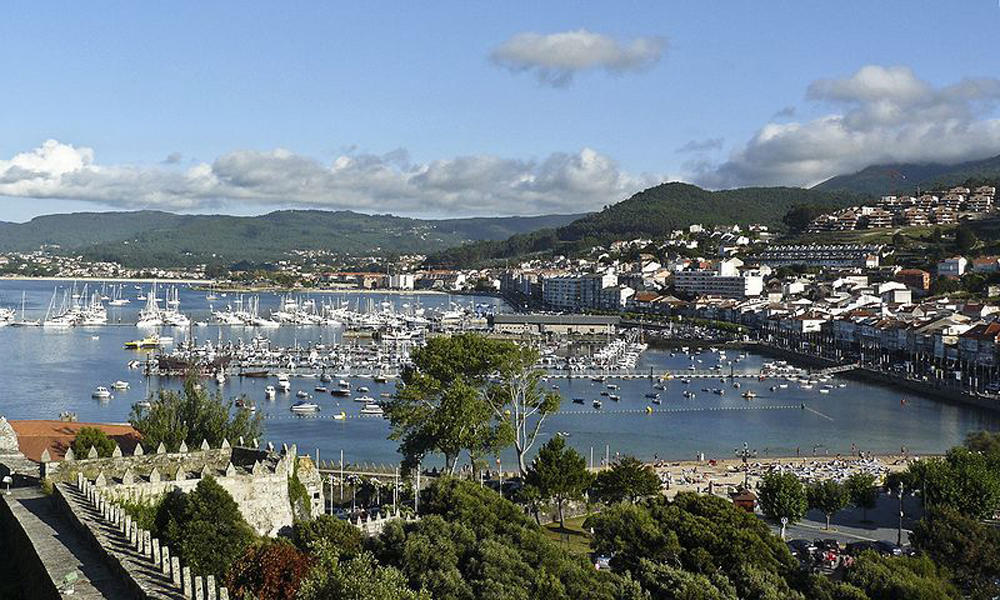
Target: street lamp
[899,529]
[745,454]
[7,480]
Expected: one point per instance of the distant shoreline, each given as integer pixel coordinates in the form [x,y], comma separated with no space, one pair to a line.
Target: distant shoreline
[107,279]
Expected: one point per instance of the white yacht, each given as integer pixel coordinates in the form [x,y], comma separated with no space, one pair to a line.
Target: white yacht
[120,385]
[101,393]
[304,407]
[372,409]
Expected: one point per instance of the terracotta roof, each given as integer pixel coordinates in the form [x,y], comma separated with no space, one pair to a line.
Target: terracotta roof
[33,437]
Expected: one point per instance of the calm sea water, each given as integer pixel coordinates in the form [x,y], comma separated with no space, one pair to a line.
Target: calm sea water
[44,372]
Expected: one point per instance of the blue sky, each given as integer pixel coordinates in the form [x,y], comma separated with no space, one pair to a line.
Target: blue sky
[475,108]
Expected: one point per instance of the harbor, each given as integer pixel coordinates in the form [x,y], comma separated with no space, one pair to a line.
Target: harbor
[656,416]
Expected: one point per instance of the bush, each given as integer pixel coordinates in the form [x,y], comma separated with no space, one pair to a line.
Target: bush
[340,535]
[205,528]
[271,570]
[89,437]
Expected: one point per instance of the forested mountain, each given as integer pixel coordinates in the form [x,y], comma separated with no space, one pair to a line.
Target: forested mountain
[905,178]
[650,213]
[146,238]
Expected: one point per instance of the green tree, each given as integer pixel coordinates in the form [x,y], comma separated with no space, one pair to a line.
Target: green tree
[269,570]
[862,492]
[627,479]
[339,535]
[520,399]
[969,549]
[193,416]
[829,497]
[559,473]
[900,578]
[782,495]
[442,405]
[88,437]
[358,578]
[798,218]
[986,442]
[205,527]
[965,238]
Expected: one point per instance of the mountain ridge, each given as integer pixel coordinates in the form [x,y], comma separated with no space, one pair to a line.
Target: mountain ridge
[905,178]
[151,237]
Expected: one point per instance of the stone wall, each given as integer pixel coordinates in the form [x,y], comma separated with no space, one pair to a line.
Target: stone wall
[256,479]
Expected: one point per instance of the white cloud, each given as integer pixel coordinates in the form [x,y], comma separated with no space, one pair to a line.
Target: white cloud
[557,57]
[878,115]
[466,185]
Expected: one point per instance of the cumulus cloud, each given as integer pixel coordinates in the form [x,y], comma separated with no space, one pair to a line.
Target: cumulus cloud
[877,115]
[702,145]
[173,158]
[556,57]
[391,182]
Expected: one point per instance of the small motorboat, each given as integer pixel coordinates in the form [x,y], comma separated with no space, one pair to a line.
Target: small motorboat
[614,397]
[325,378]
[303,407]
[577,400]
[120,385]
[270,392]
[144,404]
[320,388]
[824,391]
[653,396]
[340,416]
[749,395]
[365,399]
[656,400]
[598,404]
[363,390]
[302,394]
[101,393]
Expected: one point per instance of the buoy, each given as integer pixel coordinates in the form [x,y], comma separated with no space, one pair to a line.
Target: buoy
[649,410]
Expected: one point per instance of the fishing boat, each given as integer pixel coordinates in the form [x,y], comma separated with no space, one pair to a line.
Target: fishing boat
[101,393]
[304,407]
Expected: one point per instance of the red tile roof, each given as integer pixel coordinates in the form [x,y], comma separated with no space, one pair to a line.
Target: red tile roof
[33,437]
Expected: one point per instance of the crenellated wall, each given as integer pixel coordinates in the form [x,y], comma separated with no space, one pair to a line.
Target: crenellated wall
[256,479]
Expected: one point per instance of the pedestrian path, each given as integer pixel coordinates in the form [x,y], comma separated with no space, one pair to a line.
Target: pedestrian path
[71,561]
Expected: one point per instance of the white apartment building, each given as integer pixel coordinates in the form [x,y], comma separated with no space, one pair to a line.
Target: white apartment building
[573,292]
[725,280]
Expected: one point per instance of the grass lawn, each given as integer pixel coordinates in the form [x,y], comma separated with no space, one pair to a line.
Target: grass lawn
[573,538]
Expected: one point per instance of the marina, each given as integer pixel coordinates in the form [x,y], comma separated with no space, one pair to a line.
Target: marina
[50,371]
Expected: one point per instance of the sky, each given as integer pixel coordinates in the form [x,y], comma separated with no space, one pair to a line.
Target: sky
[472,108]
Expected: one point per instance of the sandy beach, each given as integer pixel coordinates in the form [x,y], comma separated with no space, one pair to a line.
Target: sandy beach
[723,476]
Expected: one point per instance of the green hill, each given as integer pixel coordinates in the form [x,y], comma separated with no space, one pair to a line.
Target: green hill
[148,238]
[651,213]
[901,178]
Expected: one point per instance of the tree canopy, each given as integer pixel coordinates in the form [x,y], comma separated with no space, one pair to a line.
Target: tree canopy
[828,496]
[205,528]
[559,473]
[782,495]
[92,437]
[442,406]
[192,416]
[627,479]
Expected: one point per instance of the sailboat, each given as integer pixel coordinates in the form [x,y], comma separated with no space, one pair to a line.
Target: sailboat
[24,322]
